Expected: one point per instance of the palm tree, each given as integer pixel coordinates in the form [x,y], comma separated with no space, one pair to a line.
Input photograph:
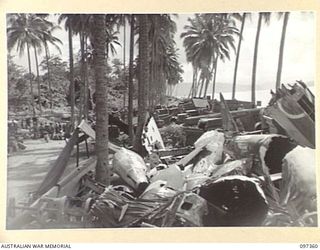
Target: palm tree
[38,76]
[225,32]
[283,38]
[143,79]
[42,26]
[124,21]
[205,75]
[208,77]
[68,26]
[130,97]
[208,39]
[72,94]
[112,39]
[195,68]
[172,68]
[113,24]
[23,32]
[214,76]
[198,46]
[243,20]
[266,17]
[162,55]
[99,46]
[48,37]
[81,24]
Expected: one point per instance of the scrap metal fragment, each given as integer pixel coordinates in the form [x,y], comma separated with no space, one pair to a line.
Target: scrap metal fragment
[299,179]
[269,149]
[151,136]
[156,190]
[172,174]
[195,180]
[192,209]
[213,141]
[234,201]
[236,167]
[294,110]
[131,168]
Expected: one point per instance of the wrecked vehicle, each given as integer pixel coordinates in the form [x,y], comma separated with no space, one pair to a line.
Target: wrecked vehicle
[228,177]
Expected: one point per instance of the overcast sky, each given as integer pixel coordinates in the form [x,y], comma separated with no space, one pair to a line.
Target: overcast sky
[299,54]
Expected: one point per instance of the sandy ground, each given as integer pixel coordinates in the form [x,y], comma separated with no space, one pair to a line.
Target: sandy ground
[26,169]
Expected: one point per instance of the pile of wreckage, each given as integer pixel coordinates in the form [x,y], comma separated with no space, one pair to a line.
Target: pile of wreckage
[228,178]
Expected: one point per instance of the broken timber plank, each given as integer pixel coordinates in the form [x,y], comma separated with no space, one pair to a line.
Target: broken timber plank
[59,165]
[228,123]
[60,189]
[184,161]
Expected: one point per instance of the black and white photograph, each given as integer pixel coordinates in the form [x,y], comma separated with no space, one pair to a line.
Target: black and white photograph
[152,120]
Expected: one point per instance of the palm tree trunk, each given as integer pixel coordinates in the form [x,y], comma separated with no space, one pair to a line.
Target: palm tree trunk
[193,74]
[99,35]
[283,38]
[85,72]
[195,83]
[31,87]
[237,57]
[130,97]
[38,78]
[207,83]
[124,63]
[82,76]
[201,87]
[155,64]
[196,87]
[143,78]
[205,88]
[72,101]
[214,78]
[49,76]
[154,71]
[255,59]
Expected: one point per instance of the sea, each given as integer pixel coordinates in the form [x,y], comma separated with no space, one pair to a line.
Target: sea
[262,95]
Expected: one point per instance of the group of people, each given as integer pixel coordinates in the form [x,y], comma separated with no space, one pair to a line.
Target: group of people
[56,131]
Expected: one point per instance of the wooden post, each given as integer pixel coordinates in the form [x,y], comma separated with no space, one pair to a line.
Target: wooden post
[77,150]
[87,149]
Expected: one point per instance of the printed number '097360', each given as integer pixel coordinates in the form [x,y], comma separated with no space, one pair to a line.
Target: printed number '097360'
[308,245]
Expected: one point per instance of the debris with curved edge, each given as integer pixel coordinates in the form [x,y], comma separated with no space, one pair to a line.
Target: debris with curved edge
[294,110]
[172,174]
[234,201]
[192,209]
[269,149]
[131,168]
[156,190]
[211,145]
[195,180]
[236,167]
[299,180]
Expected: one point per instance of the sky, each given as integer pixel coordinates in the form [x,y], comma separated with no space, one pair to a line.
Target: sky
[298,62]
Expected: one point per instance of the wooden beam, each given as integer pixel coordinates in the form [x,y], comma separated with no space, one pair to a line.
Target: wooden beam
[59,165]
